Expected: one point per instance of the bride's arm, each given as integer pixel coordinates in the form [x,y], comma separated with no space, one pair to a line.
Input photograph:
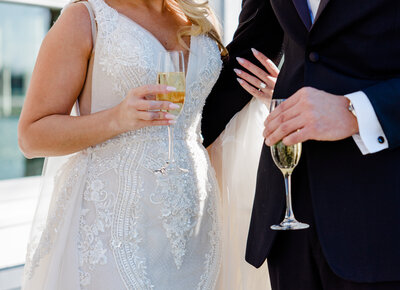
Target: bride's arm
[258,28]
[46,127]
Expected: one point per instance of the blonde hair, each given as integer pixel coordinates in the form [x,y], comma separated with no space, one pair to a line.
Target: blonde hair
[202,18]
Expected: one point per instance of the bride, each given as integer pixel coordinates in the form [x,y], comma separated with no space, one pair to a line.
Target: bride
[105,220]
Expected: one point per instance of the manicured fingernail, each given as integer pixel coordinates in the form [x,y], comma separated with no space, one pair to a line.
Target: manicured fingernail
[237,71]
[240,81]
[255,51]
[170,116]
[171,89]
[171,122]
[173,106]
[268,141]
[240,60]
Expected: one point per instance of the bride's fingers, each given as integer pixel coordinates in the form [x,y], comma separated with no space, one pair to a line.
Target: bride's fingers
[155,116]
[264,97]
[151,90]
[266,62]
[250,79]
[150,98]
[146,105]
[164,122]
[258,72]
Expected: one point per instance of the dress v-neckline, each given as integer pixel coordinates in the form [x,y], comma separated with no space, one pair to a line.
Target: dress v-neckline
[152,36]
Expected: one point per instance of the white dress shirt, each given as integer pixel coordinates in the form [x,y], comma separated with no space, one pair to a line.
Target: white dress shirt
[370,130]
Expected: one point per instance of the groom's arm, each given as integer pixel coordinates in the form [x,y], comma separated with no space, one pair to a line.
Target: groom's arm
[258,28]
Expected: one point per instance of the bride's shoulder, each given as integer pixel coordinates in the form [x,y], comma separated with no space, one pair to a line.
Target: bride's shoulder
[73,28]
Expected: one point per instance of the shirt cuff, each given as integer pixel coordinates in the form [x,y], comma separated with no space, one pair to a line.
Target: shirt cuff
[371,138]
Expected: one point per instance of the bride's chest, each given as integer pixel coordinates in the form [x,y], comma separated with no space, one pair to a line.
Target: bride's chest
[127,56]
[126,47]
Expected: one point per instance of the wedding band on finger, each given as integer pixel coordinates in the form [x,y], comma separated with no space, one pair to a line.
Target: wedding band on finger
[262,86]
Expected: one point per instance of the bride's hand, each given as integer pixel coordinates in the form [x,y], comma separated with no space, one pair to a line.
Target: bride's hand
[262,84]
[140,109]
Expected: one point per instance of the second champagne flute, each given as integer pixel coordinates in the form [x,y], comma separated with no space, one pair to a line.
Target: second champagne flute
[171,72]
[286,159]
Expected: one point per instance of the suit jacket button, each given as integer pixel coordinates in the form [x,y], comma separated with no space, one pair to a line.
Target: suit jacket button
[381,139]
[313,56]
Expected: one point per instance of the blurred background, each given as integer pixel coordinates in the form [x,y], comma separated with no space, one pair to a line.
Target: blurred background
[23,25]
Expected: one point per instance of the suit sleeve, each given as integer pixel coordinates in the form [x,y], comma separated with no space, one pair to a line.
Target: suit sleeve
[258,28]
[385,98]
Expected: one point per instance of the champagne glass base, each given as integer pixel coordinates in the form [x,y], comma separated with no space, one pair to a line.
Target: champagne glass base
[290,224]
[170,167]
[162,171]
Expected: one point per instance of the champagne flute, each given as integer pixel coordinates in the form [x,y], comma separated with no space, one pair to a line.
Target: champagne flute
[171,72]
[286,159]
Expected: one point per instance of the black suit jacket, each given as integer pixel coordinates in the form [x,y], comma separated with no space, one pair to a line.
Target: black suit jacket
[352,45]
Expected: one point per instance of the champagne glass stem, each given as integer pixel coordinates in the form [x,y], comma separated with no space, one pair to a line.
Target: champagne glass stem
[288,189]
[170,144]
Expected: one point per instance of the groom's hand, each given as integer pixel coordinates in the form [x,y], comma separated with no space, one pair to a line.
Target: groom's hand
[310,114]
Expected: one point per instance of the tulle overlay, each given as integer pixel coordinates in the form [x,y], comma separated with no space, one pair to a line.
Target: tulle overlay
[235,156]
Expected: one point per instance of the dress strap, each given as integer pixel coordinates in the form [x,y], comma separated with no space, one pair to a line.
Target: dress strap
[92,20]
[94,37]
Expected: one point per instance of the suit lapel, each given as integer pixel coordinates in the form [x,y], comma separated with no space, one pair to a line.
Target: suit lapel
[321,8]
[303,11]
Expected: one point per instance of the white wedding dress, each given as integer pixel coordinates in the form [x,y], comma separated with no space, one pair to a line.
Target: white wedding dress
[105,220]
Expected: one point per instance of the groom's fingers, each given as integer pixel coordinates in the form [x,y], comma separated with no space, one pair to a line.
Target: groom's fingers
[286,105]
[272,125]
[301,107]
[301,135]
[284,130]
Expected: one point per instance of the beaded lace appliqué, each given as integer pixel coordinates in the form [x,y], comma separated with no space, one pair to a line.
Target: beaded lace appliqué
[179,212]
[68,176]
[91,247]
[126,58]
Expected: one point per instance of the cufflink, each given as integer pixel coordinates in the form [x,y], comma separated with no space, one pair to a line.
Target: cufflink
[381,139]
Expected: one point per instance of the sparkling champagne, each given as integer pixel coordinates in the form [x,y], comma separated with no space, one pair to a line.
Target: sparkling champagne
[286,157]
[177,80]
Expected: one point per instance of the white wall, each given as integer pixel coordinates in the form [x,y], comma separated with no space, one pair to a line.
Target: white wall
[228,13]
[231,17]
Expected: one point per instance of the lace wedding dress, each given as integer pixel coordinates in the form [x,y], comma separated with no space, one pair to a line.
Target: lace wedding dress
[113,223]
[106,221]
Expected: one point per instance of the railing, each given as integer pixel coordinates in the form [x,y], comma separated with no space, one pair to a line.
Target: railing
[10,278]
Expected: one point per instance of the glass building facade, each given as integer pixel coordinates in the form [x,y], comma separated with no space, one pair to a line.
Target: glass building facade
[22,29]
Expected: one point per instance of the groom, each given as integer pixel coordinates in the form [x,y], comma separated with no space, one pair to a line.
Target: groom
[341,75]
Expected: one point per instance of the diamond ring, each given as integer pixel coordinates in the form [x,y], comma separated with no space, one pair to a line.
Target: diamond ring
[262,86]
